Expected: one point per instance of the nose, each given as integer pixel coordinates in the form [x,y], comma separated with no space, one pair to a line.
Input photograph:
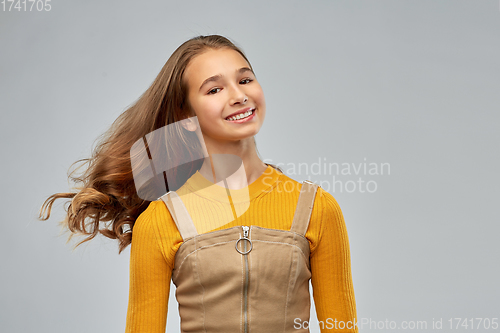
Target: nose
[238,96]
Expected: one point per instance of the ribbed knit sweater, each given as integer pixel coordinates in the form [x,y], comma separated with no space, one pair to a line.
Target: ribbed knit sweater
[268,202]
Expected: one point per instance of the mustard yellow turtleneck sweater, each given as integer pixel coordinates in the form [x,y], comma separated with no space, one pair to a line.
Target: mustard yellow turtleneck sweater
[270,202]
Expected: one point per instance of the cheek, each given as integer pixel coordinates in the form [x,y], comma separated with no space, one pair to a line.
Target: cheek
[208,108]
[259,97]
[261,101]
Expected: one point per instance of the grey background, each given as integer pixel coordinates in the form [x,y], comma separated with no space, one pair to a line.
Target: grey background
[411,83]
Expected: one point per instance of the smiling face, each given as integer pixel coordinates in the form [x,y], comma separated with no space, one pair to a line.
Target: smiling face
[220,83]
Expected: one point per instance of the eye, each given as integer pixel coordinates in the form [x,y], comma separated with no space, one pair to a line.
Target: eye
[213,91]
[245,81]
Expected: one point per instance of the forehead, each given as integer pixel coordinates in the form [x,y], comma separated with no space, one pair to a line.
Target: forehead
[213,62]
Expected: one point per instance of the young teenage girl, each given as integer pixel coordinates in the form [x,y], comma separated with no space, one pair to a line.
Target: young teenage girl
[259,281]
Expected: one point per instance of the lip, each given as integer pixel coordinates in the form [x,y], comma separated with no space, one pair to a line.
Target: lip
[240,111]
[244,120]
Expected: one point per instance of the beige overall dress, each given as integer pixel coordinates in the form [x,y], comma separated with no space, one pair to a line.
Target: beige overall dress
[244,278]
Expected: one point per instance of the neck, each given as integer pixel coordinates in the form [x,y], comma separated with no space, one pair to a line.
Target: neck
[234,165]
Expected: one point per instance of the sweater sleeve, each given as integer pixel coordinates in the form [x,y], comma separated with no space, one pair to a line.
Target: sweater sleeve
[331,278]
[150,276]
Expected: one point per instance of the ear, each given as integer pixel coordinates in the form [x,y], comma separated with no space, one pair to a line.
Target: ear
[189,124]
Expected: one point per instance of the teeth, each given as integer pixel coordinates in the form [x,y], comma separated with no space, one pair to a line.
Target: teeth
[241,116]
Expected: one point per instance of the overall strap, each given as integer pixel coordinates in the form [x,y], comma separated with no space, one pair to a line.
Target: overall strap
[180,215]
[304,207]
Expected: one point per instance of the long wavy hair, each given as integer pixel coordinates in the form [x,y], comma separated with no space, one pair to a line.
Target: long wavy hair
[106,200]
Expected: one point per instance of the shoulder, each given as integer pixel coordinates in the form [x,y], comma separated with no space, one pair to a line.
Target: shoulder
[148,221]
[322,198]
[329,205]
[326,217]
[288,185]
[146,217]
[144,223]
[324,202]
[155,230]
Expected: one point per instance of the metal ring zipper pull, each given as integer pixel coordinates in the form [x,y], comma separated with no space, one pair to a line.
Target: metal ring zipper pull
[245,237]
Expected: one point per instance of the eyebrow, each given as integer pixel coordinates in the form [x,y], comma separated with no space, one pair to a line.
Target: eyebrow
[219,76]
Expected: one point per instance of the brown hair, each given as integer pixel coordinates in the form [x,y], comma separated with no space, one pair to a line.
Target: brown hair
[107,201]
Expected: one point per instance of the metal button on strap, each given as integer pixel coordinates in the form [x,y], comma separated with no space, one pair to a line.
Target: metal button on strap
[245,237]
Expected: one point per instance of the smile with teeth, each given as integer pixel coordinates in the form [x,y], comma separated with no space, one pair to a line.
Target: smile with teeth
[241,115]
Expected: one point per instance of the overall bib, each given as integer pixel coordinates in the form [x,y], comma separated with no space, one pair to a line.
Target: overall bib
[244,278]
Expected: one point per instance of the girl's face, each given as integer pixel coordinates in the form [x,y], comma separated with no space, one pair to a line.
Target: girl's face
[221,84]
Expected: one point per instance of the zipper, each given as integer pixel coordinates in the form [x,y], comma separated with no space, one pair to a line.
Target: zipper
[245,287]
